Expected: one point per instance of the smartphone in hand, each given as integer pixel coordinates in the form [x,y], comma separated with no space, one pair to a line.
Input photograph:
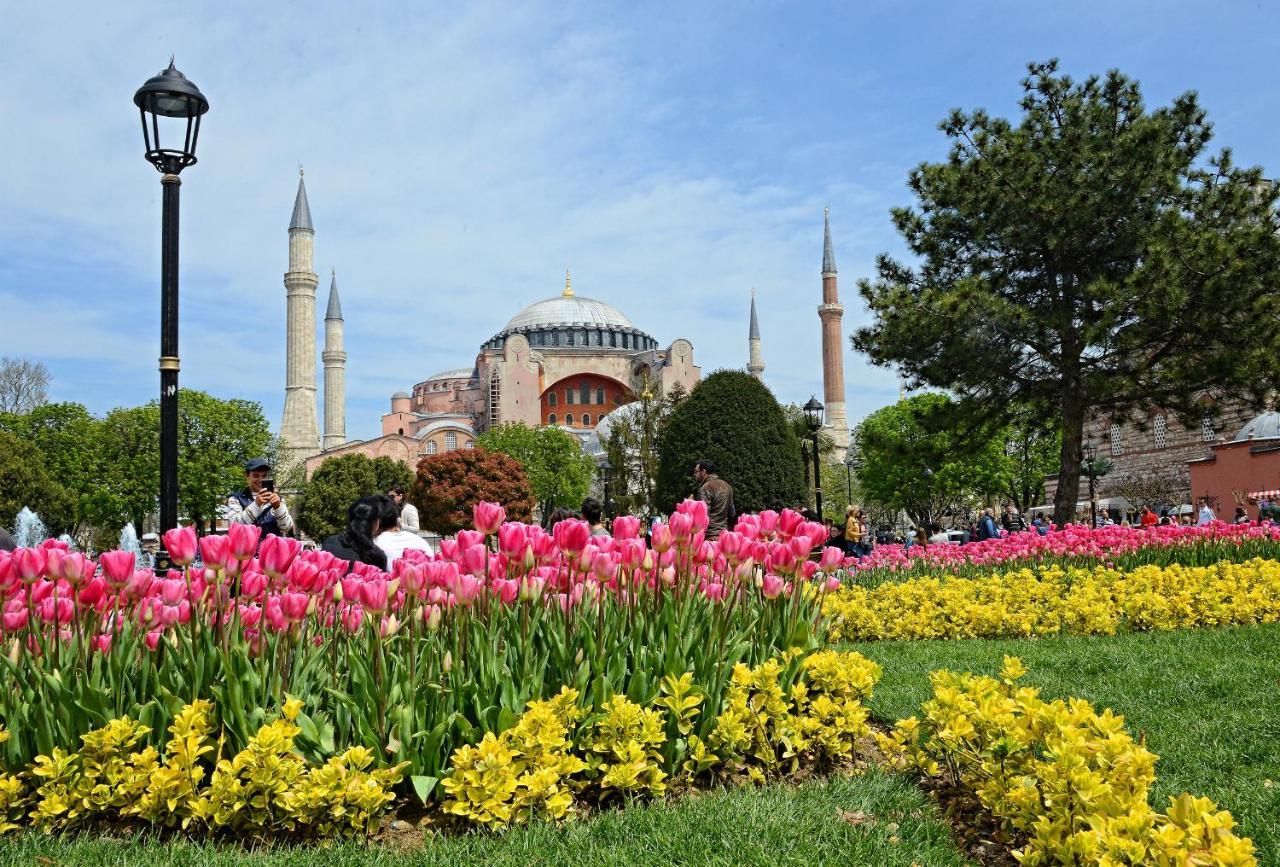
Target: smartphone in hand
[268,484]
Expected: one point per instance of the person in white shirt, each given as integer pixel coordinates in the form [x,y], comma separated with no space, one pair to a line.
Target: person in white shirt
[391,538]
[1206,514]
[408,511]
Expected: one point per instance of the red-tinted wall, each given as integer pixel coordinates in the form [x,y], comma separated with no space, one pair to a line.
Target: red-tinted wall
[566,398]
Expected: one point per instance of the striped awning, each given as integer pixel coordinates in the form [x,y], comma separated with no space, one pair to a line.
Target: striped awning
[1265,495]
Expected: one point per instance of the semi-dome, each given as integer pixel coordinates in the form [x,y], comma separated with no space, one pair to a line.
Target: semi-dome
[456,373]
[569,320]
[1261,427]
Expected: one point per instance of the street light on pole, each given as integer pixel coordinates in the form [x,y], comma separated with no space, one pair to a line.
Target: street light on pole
[813,416]
[169,102]
[851,462]
[606,471]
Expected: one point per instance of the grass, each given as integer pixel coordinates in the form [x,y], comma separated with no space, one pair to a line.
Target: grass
[1207,700]
[798,825]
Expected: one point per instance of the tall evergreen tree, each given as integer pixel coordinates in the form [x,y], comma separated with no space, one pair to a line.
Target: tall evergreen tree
[1087,259]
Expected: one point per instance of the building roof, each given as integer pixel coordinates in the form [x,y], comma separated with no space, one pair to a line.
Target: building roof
[573,310]
[400,394]
[1261,427]
[301,209]
[456,373]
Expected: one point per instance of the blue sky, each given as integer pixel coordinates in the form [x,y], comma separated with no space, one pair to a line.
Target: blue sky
[460,156]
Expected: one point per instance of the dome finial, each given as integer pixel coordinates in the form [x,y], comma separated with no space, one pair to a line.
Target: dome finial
[568,286]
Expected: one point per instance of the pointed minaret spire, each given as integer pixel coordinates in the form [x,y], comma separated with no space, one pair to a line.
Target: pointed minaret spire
[831,313]
[828,255]
[301,209]
[334,310]
[755,364]
[568,286]
[335,371]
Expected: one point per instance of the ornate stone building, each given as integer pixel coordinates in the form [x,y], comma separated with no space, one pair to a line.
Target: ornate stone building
[566,360]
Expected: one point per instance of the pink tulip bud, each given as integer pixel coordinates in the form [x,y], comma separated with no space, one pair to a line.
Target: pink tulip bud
[832,558]
[467,588]
[242,540]
[513,538]
[768,522]
[488,517]
[214,552]
[172,590]
[277,553]
[253,584]
[153,639]
[626,527]
[681,526]
[180,542]
[662,537]
[506,589]
[772,586]
[431,617]
[475,560]
[450,550]
[294,606]
[31,563]
[833,584]
[571,535]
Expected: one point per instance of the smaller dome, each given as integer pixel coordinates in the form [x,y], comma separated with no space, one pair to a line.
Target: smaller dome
[1262,427]
[456,373]
[399,395]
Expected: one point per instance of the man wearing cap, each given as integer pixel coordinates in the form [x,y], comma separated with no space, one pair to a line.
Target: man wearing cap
[258,505]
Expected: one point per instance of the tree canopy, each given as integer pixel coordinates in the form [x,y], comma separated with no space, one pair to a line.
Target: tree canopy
[916,459]
[558,471]
[632,448]
[448,485]
[24,385]
[25,480]
[321,505]
[1087,258]
[731,419]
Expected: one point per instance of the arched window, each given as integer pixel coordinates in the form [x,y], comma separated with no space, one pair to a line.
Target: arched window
[551,399]
[568,397]
[432,447]
[586,419]
[551,419]
[450,441]
[401,430]
[1117,443]
[599,395]
[1206,429]
[584,392]
[568,419]
[1161,427]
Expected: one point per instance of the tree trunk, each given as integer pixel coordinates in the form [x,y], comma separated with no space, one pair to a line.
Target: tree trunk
[1068,493]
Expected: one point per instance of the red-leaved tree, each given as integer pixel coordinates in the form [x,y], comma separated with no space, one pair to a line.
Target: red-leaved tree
[449,484]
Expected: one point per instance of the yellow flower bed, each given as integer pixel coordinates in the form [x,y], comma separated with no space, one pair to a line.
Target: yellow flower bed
[1048,600]
[1068,782]
[775,715]
[265,789]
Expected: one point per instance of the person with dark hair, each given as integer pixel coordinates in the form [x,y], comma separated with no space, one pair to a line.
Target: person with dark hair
[717,494]
[7,542]
[258,503]
[560,514]
[355,543]
[391,537]
[592,513]
[408,511]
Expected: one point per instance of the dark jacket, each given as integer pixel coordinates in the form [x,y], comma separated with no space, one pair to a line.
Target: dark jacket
[718,495]
[987,528]
[340,546]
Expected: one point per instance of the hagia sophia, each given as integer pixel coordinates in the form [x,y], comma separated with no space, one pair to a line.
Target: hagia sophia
[567,360]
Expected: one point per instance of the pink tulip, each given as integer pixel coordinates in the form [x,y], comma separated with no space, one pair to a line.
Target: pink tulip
[277,553]
[626,527]
[91,592]
[375,595]
[242,540]
[832,558]
[431,615]
[475,560]
[180,542]
[77,568]
[488,517]
[513,538]
[467,588]
[788,523]
[506,589]
[253,584]
[450,550]
[14,615]
[772,586]
[31,563]
[681,526]
[571,535]
[138,585]
[768,522]
[352,617]
[662,537]
[833,584]
[714,591]
[214,552]
[153,640]
[102,643]
[117,567]
[294,606]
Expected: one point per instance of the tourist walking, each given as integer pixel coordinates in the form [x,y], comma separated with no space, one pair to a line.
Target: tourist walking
[1207,515]
[852,532]
[258,503]
[408,511]
[355,543]
[987,526]
[717,494]
[392,538]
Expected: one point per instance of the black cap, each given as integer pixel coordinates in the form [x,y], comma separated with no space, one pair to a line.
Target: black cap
[257,464]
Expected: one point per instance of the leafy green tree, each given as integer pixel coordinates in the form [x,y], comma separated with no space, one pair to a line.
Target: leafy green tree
[70,440]
[215,439]
[632,448]
[336,484]
[131,468]
[449,485]
[1031,452]
[25,480]
[553,460]
[389,472]
[916,459]
[1087,258]
[731,419]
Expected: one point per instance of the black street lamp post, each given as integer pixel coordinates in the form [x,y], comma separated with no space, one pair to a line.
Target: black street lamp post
[180,103]
[606,471]
[813,416]
[1090,452]
[851,462]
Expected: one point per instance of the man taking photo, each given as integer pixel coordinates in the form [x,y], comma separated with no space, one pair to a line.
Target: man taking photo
[258,503]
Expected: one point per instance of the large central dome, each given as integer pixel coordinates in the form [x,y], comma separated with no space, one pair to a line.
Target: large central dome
[572,310]
[568,320]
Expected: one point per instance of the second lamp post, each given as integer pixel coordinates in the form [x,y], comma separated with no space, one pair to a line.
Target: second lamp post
[813,417]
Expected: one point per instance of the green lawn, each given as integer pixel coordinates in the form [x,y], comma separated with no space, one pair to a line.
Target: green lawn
[1208,701]
[775,825]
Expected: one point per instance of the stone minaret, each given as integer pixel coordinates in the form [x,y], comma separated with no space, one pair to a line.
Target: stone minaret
[335,372]
[300,430]
[755,366]
[831,313]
